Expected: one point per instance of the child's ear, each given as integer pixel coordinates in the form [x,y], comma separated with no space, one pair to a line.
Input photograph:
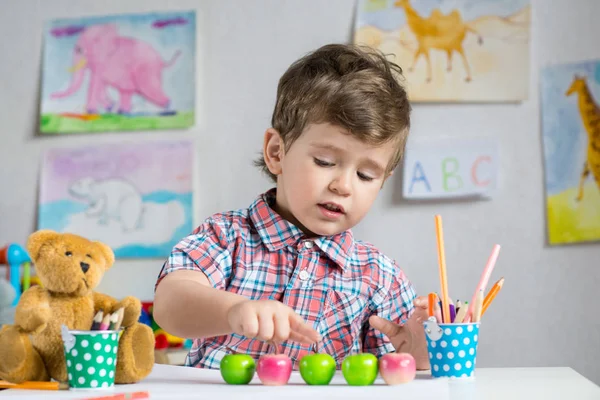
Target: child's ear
[273,149]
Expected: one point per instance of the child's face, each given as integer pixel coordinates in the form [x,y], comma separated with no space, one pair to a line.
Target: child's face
[327,180]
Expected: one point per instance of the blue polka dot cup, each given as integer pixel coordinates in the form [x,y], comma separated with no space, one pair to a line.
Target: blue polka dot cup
[452,349]
[91,358]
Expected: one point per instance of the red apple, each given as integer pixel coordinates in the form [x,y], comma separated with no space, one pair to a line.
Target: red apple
[274,369]
[396,368]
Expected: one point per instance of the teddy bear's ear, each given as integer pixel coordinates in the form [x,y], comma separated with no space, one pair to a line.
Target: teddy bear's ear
[107,253]
[37,240]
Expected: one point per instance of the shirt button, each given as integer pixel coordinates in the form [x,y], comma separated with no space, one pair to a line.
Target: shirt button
[308,244]
[303,275]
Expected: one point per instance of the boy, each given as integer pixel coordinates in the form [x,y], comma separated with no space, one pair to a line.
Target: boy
[287,269]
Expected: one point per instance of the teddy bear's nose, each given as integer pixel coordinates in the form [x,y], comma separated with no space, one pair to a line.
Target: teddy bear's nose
[84,266]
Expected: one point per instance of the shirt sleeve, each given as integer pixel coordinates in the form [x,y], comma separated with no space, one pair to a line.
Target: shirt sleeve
[396,304]
[207,249]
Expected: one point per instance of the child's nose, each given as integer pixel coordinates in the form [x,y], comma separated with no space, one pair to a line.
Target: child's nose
[341,184]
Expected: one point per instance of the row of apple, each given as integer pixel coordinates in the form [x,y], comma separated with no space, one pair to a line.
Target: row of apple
[319,368]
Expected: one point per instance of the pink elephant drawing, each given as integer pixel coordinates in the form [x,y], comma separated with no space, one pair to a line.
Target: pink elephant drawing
[126,64]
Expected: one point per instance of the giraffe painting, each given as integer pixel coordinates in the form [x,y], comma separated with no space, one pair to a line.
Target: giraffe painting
[590,117]
[570,123]
[438,31]
[452,50]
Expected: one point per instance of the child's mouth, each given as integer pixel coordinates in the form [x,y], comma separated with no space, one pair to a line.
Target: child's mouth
[331,210]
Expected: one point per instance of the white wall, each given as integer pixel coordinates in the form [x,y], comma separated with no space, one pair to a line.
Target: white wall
[545,316]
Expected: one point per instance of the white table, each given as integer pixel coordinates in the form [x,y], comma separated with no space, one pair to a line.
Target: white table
[174,382]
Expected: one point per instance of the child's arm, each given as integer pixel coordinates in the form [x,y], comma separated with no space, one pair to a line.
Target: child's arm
[186,305]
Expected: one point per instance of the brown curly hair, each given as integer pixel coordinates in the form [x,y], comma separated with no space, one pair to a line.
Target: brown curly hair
[354,87]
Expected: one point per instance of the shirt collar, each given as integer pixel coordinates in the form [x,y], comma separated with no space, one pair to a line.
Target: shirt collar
[277,233]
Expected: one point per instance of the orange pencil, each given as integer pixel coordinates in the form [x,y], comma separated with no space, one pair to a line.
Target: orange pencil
[492,294]
[442,266]
[431,304]
[34,385]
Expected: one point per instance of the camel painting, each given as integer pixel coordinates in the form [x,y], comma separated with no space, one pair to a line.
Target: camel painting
[453,50]
[570,96]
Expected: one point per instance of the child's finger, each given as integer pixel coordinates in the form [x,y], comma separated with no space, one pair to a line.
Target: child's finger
[281,328]
[296,337]
[422,302]
[298,325]
[266,327]
[388,328]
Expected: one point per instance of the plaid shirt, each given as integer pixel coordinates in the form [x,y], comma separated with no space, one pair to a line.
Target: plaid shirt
[334,283]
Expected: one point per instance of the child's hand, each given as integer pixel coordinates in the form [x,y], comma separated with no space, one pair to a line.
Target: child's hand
[410,337]
[270,320]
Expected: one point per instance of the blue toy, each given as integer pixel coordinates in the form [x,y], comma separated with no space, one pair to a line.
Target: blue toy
[14,256]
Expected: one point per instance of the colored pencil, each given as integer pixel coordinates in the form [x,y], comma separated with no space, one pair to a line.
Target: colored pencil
[114,319]
[34,385]
[105,323]
[483,281]
[122,396]
[492,294]
[431,304]
[442,269]
[97,321]
[121,313]
[476,316]
[437,312]
[460,315]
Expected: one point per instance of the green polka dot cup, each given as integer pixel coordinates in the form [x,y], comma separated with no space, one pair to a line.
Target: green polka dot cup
[91,358]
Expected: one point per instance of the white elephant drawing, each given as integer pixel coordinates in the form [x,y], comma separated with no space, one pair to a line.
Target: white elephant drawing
[112,198]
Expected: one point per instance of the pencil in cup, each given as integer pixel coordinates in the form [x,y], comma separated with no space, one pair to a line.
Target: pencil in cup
[445,298]
[112,322]
[483,281]
[492,295]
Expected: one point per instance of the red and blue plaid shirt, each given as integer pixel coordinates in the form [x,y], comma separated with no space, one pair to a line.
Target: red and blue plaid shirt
[334,283]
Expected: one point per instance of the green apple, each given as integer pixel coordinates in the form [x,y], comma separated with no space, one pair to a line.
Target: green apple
[317,369]
[237,369]
[360,369]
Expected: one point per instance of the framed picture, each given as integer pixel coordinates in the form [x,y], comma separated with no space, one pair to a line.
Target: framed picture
[452,50]
[119,73]
[135,197]
[571,139]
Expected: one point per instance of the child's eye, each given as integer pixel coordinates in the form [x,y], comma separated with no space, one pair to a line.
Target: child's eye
[322,163]
[364,177]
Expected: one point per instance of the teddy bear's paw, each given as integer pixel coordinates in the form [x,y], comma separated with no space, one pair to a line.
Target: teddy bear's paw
[19,361]
[136,354]
[12,350]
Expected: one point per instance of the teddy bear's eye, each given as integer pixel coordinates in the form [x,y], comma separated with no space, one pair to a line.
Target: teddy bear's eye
[68,254]
[88,256]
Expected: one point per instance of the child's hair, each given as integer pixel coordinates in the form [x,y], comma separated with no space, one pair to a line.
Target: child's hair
[353,87]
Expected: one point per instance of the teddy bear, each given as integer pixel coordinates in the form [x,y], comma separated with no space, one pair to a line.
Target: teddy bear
[69,268]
